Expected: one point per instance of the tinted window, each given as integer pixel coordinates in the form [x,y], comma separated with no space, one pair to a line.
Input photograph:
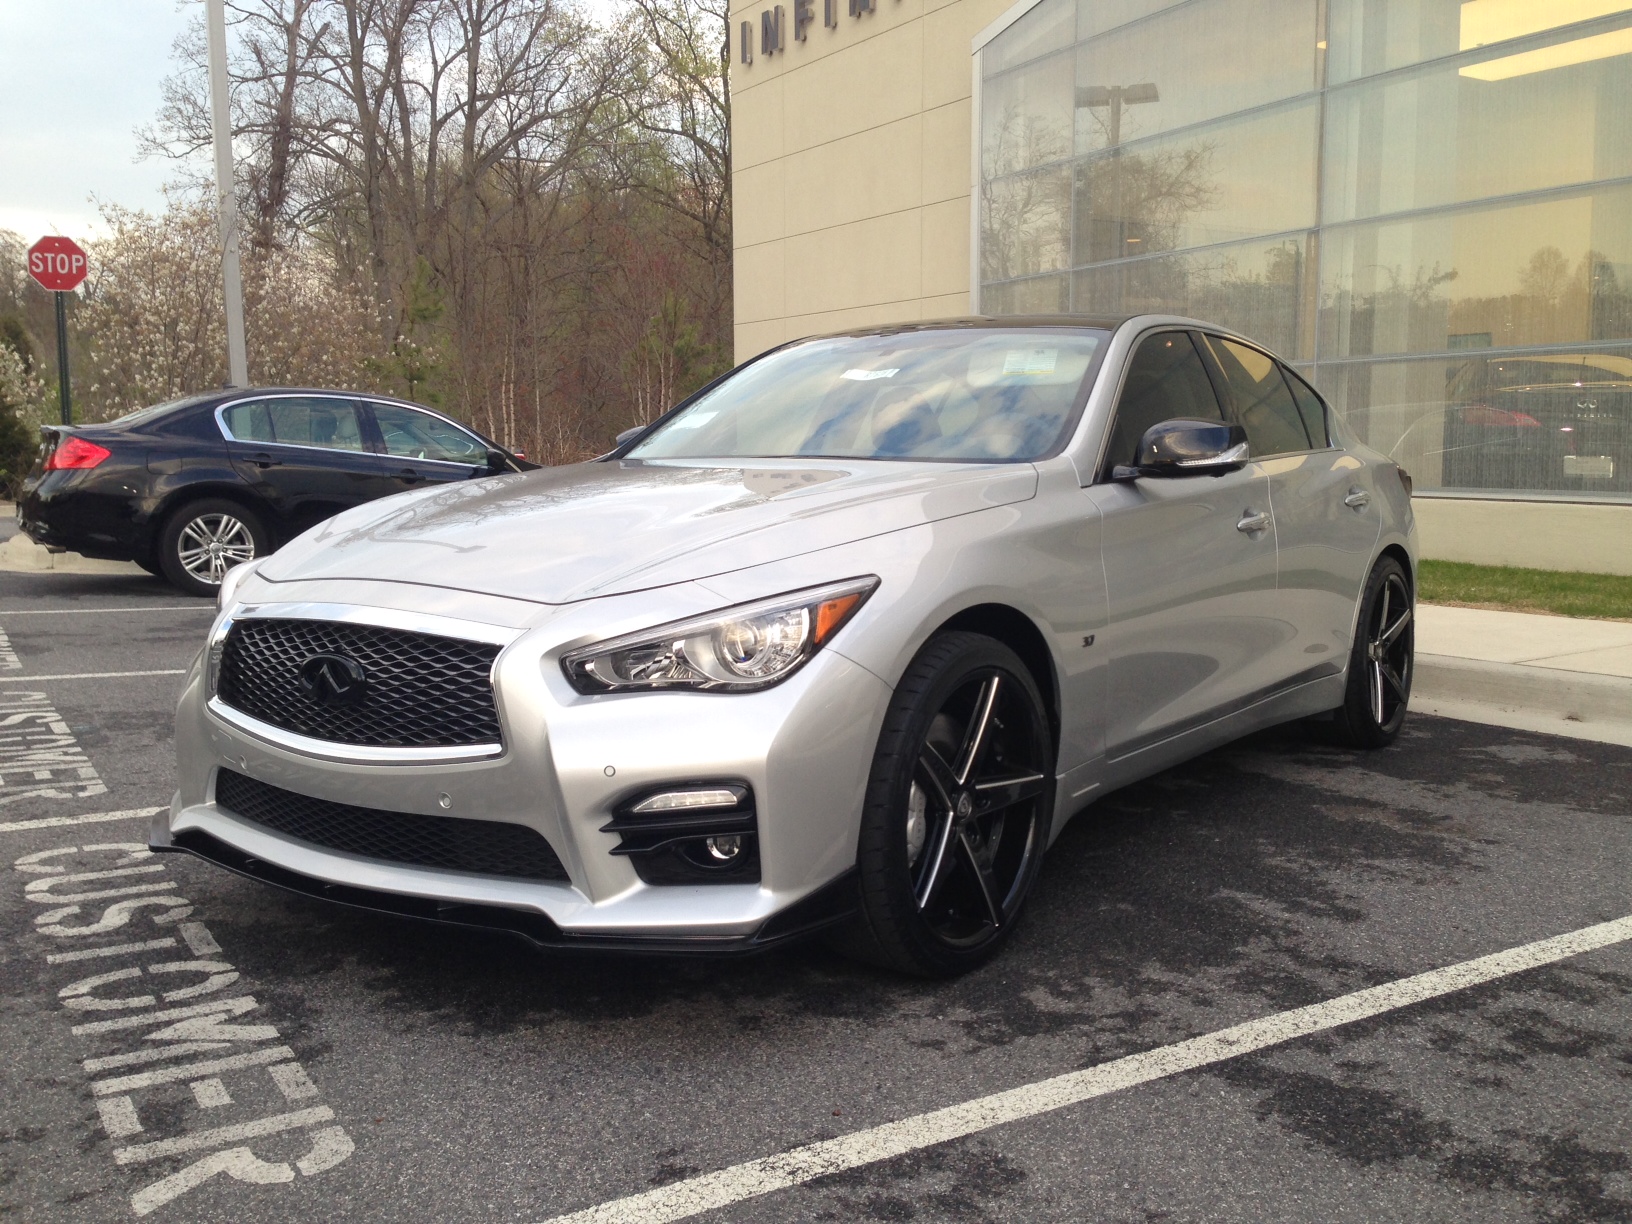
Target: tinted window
[1166,381]
[419,435]
[1259,398]
[977,394]
[1310,408]
[297,420]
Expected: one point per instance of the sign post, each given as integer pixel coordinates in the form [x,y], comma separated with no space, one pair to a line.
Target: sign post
[59,264]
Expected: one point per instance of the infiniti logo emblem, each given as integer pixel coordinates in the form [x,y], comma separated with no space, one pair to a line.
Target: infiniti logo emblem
[331,679]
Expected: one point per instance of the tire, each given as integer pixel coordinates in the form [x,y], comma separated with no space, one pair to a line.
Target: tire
[184,553]
[936,808]
[1381,662]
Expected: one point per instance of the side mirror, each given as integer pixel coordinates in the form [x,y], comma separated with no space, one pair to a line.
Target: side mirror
[498,461]
[628,435]
[1188,448]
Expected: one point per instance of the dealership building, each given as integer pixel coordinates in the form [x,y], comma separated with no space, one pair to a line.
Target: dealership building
[1424,205]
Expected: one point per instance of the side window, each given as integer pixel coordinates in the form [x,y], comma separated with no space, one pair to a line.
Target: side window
[419,435]
[1166,380]
[1311,408]
[1260,399]
[249,422]
[298,420]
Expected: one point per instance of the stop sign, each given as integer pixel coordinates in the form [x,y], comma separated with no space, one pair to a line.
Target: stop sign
[57,263]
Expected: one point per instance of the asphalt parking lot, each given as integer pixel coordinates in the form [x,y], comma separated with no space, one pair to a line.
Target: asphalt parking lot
[382,1070]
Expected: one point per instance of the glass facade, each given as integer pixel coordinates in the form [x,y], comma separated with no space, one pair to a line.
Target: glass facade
[1424,205]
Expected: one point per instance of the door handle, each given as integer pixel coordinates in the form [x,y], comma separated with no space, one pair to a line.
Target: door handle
[264,460]
[1358,499]
[1253,521]
[408,474]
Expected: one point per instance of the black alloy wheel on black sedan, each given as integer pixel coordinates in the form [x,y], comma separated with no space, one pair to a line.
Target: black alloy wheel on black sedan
[1381,663]
[957,812]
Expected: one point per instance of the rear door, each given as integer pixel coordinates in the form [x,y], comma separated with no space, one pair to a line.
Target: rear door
[422,448]
[1189,566]
[1322,498]
[304,454]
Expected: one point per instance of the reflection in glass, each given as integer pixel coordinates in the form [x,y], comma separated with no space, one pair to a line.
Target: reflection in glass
[1253,287]
[1559,271]
[1424,203]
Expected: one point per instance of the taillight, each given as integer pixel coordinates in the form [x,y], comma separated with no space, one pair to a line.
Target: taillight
[1405,479]
[1484,414]
[75,452]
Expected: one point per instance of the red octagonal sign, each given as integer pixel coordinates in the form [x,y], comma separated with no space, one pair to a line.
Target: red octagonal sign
[58,264]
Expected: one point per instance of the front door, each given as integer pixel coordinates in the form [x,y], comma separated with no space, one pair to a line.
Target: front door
[1189,567]
[304,454]
[421,448]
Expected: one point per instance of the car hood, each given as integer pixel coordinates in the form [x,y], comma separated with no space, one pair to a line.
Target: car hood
[568,533]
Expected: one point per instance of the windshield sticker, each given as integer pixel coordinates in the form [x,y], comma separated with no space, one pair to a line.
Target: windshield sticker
[695,420]
[869,375]
[1030,361]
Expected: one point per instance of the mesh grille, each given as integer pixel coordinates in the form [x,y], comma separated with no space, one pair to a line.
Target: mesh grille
[486,847]
[423,691]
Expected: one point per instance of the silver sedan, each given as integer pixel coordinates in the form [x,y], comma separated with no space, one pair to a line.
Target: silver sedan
[840,643]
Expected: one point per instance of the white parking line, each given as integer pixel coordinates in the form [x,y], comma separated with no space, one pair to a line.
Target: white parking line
[202,607]
[695,1195]
[52,822]
[173,671]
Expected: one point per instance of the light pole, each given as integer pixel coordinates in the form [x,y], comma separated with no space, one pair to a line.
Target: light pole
[226,203]
[1116,97]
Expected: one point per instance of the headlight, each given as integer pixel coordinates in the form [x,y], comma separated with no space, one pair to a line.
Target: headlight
[737,650]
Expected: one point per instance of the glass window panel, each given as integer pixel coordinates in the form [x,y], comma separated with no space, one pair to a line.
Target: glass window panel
[1259,398]
[1372,36]
[298,420]
[1552,272]
[1220,183]
[1048,27]
[1026,224]
[419,435]
[1039,295]
[1026,117]
[1310,409]
[1098,16]
[1444,136]
[1204,60]
[1250,287]
[1539,423]
[1166,382]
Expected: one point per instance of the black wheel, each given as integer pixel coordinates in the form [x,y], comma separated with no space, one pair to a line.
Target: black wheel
[204,539]
[957,812]
[1380,664]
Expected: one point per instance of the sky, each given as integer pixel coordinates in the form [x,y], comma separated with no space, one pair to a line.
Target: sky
[77,78]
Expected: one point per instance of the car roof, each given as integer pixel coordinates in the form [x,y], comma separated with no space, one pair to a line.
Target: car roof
[984,322]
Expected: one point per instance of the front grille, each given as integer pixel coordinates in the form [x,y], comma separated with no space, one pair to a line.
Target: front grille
[485,847]
[422,691]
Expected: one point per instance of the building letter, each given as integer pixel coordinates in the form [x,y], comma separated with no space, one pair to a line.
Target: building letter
[830,14]
[804,12]
[747,43]
[770,30]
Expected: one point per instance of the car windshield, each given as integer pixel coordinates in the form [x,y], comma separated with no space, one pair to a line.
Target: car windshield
[970,394]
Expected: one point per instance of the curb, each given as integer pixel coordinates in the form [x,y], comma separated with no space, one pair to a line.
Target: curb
[20,555]
[1580,705]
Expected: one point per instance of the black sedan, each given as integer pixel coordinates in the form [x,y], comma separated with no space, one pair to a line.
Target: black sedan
[190,488]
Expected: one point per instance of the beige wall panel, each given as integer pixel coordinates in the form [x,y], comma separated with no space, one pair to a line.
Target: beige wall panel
[1534,535]
[759,282]
[756,123]
[875,81]
[752,339]
[945,306]
[757,211]
[946,152]
[947,34]
[869,174]
[856,265]
[946,248]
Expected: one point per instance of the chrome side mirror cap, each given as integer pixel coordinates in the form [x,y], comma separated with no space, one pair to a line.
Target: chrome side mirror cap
[628,435]
[1188,448]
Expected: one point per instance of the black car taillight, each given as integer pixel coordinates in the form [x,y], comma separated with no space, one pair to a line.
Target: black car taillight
[75,453]
[1405,479]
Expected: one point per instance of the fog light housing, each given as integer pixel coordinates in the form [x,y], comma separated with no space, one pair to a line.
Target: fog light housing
[724,849]
[703,832]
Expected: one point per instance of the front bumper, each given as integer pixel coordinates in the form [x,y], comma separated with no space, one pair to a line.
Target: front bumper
[804,748]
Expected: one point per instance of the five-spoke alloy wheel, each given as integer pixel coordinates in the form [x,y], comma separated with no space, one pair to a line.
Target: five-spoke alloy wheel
[958,808]
[1379,687]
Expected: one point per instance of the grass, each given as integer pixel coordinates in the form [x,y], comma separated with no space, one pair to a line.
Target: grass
[1604,596]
